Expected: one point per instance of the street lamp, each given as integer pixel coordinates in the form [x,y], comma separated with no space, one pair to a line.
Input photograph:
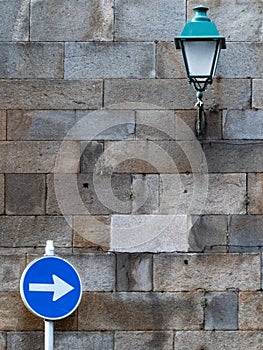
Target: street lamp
[200,43]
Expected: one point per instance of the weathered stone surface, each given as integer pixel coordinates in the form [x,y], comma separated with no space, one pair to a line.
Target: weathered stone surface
[145,192]
[134,272]
[257,93]
[84,340]
[14,316]
[34,231]
[11,268]
[97,271]
[245,124]
[169,61]
[50,94]
[176,94]
[39,125]
[94,194]
[155,125]
[38,157]
[24,340]
[109,60]
[245,233]
[234,156]
[91,232]
[144,340]
[221,311]
[2,125]
[231,18]
[25,194]
[173,272]
[255,193]
[140,311]
[90,153]
[241,60]
[14,20]
[152,157]
[149,233]
[2,341]
[250,310]
[104,125]
[208,232]
[2,193]
[31,60]
[188,194]
[219,340]
[185,125]
[71,21]
[143,22]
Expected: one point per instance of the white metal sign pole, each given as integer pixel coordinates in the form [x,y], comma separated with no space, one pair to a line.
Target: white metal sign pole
[49,325]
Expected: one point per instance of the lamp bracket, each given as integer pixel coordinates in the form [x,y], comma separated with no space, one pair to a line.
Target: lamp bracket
[201,117]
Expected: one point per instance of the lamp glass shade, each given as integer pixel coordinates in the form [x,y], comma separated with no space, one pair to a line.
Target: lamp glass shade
[200,57]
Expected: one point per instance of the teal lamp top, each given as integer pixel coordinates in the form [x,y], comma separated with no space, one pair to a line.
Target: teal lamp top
[200,28]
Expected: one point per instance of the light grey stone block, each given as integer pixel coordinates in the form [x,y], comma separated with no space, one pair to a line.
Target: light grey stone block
[219,340]
[11,268]
[50,94]
[25,340]
[134,272]
[153,157]
[34,231]
[155,125]
[91,231]
[84,340]
[63,340]
[97,271]
[57,20]
[25,194]
[148,20]
[221,311]
[145,192]
[109,60]
[149,233]
[176,94]
[257,93]
[104,125]
[234,156]
[231,18]
[241,60]
[177,272]
[144,340]
[14,20]
[141,311]
[31,60]
[39,157]
[245,233]
[39,125]
[78,194]
[247,124]
[169,61]
[202,194]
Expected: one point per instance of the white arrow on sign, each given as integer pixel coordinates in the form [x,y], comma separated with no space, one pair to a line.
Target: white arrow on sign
[59,287]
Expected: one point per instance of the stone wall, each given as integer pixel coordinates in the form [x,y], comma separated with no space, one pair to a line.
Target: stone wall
[98,154]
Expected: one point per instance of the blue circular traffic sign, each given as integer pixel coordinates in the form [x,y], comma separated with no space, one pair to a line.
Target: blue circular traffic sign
[51,288]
